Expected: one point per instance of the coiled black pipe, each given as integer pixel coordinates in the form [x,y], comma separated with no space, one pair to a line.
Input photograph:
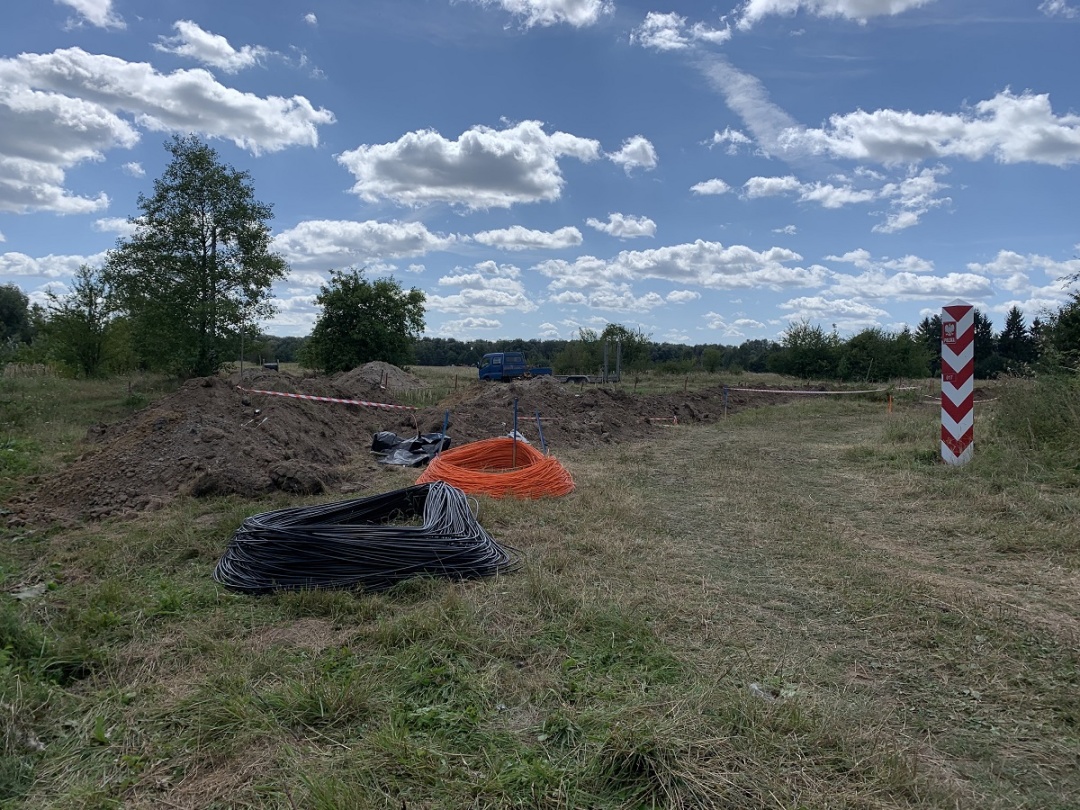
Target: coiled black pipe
[363,543]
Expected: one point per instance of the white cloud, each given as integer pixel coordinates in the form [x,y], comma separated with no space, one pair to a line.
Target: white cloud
[1011,128]
[624,226]
[96,12]
[117,225]
[415,268]
[343,242]
[708,264]
[714,186]
[771,186]
[1010,263]
[748,98]
[2,237]
[682,296]
[1058,8]
[787,230]
[60,109]
[548,331]
[732,137]
[577,13]
[311,19]
[518,237]
[754,11]
[46,267]
[908,286]
[483,168]
[830,196]
[844,313]
[488,288]
[468,324]
[669,32]
[911,198]
[214,50]
[134,168]
[863,259]
[734,329]
[636,153]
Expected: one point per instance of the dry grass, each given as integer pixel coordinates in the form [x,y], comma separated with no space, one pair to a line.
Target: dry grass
[793,608]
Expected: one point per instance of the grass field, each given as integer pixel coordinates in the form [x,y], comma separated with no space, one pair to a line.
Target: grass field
[794,608]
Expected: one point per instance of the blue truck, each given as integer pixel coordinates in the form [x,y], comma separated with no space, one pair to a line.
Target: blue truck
[507,366]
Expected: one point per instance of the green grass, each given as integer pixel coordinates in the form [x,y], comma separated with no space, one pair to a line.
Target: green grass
[795,607]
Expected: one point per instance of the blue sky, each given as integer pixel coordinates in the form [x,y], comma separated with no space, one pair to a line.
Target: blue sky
[707,173]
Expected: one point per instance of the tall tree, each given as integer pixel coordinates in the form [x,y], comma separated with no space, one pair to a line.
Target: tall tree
[78,322]
[363,321]
[1015,343]
[199,267]
[15,326]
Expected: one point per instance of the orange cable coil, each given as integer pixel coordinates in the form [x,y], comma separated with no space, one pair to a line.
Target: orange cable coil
[487,468]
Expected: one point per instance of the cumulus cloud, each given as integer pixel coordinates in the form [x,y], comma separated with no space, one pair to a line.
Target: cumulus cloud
[682,296]
[908,286]
[311,19]
[518,237]
[577,13]
[708,264]
[1010,263]
[341,242]
[134,168]
[117,225]
[49,267]
[214,50]
[636,153]
[670,32]
[731,329]
[754,11]
[624,226]
[842,312]
[60,109]
[912,197]
[732,137]
[1058,8]
[468,325]
[483,168]
[488,288]
[908,198]
[1008,127]
[96,12]
[864,260]
[787,230]
[714,186]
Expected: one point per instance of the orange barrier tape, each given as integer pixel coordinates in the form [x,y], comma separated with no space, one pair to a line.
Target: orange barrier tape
[487,468]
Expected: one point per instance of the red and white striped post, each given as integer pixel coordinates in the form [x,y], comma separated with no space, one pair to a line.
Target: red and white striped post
[957,382]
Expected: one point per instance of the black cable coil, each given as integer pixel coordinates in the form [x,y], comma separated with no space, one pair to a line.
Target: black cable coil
[356,544]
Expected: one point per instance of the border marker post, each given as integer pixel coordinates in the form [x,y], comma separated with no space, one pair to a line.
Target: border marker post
[957,382]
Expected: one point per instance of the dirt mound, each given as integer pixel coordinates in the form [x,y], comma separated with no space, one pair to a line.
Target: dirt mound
[378,375]
[213,438]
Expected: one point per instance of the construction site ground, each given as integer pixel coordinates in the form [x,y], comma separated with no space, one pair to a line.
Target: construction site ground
[218,436]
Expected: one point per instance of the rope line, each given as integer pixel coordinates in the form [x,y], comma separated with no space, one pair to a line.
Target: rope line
[329,399]
[487,468]
[362,543]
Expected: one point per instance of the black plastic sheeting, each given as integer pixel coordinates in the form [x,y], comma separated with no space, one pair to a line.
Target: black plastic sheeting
[368,543]
[408,452]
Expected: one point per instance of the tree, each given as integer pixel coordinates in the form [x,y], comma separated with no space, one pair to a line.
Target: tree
[809,352]
[928,335]
[363,321]
[988,363]
[78,324]
[581,356]
[198,268]
[1016,344]
[1061,334]
[15,324]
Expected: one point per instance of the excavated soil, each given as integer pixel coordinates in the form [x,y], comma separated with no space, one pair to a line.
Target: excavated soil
[216,437]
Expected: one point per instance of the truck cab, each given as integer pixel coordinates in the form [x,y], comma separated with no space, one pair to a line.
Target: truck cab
[504,366]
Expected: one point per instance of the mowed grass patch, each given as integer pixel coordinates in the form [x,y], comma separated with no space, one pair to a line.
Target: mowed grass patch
[791,608]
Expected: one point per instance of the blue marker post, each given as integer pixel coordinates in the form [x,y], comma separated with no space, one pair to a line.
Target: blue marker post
[540,430]
[514,462]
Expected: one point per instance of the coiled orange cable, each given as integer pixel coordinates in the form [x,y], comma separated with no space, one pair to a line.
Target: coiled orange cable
[488,467]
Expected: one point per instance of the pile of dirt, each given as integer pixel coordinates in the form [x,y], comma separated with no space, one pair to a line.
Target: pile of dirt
[220,436]
[378,375]
[212,437]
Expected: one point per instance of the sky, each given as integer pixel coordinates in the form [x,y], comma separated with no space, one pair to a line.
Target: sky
[704,172]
